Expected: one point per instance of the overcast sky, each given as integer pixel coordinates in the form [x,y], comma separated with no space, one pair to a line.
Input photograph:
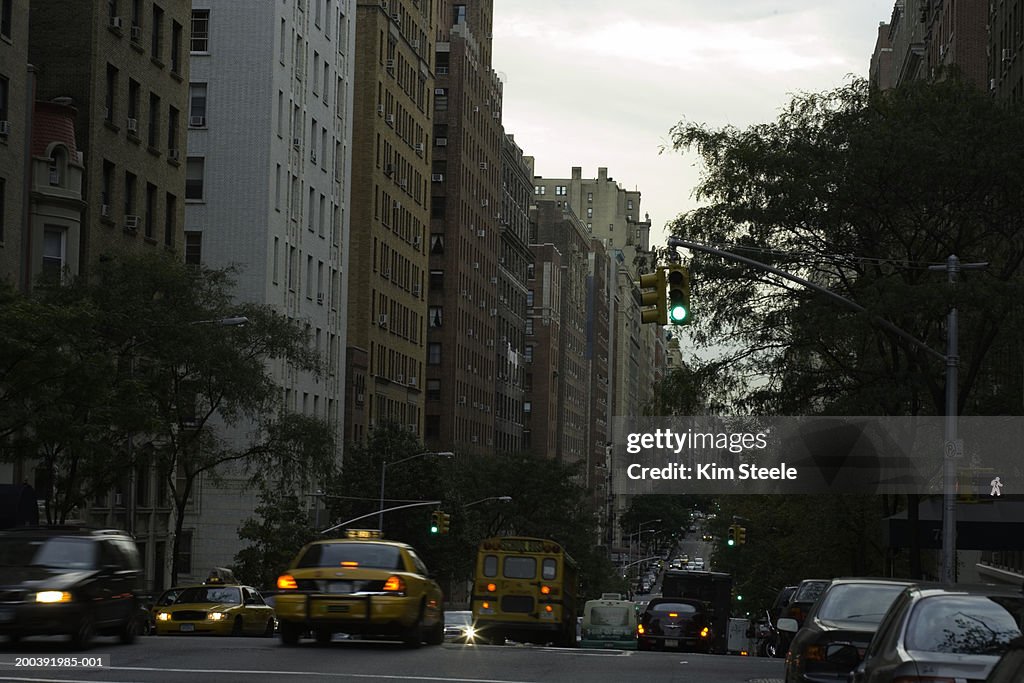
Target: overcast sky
[600,82]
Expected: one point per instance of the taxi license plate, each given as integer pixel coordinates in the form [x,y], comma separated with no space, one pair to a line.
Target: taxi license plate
[187,628]
[671,643]
[339,587]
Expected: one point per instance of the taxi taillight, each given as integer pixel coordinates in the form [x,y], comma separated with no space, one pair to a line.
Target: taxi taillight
[287,582]
[394,584]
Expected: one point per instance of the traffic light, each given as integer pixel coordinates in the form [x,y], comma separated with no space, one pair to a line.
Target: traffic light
[444,522]
[678,294]
[655,296]
[741,534]
[435,521]
[732,536]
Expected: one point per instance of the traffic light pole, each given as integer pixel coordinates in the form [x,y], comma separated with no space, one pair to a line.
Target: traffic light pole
[375,513]
[952,447]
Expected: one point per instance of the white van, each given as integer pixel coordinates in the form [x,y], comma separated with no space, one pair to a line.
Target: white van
[609,623]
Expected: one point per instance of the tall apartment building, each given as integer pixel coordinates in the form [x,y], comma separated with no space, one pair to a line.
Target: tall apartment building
[269,175]
[515,262]
[16,96]
[558,321]
[465,236]
[1006,50]
[123,66]
[393,107]
[922,37]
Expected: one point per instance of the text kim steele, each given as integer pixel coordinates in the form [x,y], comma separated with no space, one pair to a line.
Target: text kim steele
[711,472]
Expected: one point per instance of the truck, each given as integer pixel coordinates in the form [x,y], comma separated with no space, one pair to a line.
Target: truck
[714,589]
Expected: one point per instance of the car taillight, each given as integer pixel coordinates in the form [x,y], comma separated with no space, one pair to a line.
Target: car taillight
[287,582]
[705,632]
[640,629]
[394,584]
[491,587]
[814,653]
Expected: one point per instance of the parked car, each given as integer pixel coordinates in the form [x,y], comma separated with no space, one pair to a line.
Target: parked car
[458,627]
[1010,667]
[838,628]
[954,633]
[70,580]
[675,624]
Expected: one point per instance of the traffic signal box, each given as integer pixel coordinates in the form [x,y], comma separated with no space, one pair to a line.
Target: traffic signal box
[435,522]
[741,534]
[678,280]
[444,523]
[654,295]
[732,535]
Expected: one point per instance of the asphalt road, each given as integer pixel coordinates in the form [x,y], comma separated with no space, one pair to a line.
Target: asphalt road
[203,659]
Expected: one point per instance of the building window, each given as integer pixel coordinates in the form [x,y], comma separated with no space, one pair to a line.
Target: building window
[3,206]
[590,196]
[129,193]
[529,326]
[158,21]
[433,390]
[193,248]
[184,559]
[437,280]
[133,107]
[170,219]
[434,353]
[629,204]
[529,298]
[194,171]
[154,120]
[560,190]
[435,316]
[172,132]
[196,105]
[106,188]
[539,189]
[150,218]
[528,353]
[201,31]
[111,95]
[175,47]
[527,406]
[54,252]
[5,18]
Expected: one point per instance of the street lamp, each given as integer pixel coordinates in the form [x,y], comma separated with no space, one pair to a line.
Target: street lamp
[503,499]
[383,474]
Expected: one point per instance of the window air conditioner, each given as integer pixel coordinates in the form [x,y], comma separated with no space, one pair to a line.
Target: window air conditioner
[382,319]
[415,43]
[484,202]
[462,400]
[196,121]
[131,222]
[296,142]
[380,110]
[400,378]
[389,169]
[319,297]
[481,233]
[412,380]
[483,165]
[415,290]
[133,125]
[136,34]
[436,177]
[5,128]
[115,22]
[104,210]
[416,240]
[173,154]
[389,119]
[418,147]
[494,280]
[389,64]
[441,142]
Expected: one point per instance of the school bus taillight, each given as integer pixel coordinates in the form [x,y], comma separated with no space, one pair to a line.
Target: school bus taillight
[545,590]
[548,608]
[491,587]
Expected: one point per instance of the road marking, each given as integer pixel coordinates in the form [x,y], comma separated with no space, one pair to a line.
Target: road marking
[319,674]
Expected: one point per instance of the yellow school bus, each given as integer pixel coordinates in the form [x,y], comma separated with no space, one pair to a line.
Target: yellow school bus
[525,590]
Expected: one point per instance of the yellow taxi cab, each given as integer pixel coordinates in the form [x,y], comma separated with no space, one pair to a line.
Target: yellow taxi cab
[220,606]
[359,585]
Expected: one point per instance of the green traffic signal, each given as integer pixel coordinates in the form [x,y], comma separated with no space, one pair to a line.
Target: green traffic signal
[732,536]
[435,522]
[678,294]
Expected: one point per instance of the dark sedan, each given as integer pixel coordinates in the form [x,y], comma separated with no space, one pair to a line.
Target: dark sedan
[675,624]
[838,629]
[953,633]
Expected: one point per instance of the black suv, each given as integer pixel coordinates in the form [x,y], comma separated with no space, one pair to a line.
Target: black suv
[69,580]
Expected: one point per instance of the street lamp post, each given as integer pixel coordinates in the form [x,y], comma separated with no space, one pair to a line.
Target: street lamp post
[383,474]
[503,499]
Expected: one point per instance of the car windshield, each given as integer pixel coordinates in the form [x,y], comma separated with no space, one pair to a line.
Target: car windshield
[220,595]
[862,602]
[810,591]
[59,552]
[371,555]
[965,624]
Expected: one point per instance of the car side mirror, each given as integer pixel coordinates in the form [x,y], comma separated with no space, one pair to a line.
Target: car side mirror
[788,625]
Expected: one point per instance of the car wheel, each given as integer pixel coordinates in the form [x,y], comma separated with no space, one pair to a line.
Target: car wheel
[290,633]
[237,628]
[268,632]
[413,636]
[84,631]
[436,636]
[129,630]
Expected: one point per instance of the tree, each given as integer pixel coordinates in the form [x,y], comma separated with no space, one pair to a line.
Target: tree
[860,191]
[275,539]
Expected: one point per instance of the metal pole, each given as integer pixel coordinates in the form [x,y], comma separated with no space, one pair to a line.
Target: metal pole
[952,447]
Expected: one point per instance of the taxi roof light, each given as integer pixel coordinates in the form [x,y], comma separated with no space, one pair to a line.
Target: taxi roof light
[349,563]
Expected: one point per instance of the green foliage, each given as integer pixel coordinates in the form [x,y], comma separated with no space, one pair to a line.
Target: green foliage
[135,362]
[276,537]
[860,192]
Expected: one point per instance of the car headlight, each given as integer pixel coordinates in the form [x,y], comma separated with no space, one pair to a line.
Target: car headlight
[216,616]
[53,596]
[470,633]
[163,616]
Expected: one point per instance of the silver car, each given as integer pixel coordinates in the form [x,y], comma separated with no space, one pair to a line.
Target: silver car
[950,632]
